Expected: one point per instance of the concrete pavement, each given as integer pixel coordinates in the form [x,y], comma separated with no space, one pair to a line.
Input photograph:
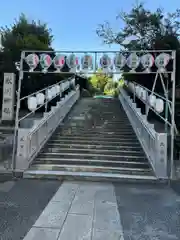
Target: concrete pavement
[80,211]
[39,209]
[149,212]
[21,203]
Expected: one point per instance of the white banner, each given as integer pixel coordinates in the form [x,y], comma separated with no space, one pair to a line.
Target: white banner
[8,96]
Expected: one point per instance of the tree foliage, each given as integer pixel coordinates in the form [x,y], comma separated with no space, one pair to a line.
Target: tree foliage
[145,25]
[99,81]
[24,34]
[110,88]
[147,30]
[102,83]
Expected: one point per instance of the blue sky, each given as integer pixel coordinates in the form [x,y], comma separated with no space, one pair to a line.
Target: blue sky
[74,22]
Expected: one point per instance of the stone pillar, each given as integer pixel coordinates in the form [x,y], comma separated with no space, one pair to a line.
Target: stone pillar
[8,97]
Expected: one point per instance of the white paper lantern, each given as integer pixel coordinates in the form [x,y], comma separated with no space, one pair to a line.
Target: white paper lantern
[68,83]
[159,105]
[72,61]
[144,94]
[59,61]
[40,98]
[119,61]
[32,103]
[133,87]
[140,91]
[62,87]
[45,61]
[137,89]
[152,100]
[65,84]
[32,60]
[58,89]
[162,60]
[73,81]
[49,94]
[87,62]
[130,86]
[133,61]
[53,91]
[147,61]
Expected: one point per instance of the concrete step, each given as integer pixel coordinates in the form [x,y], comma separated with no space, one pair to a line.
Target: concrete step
[6,129]
[96,156]
[98,134]
[5,135]
[106,127]
[98,122]
[89,176]
[93,151]
[96,126]
[93,146]
[96,137]
[97,131]
[86,168]
[96,141]
[91,162]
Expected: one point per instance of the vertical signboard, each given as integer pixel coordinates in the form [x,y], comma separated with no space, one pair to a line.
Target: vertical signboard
[8,96]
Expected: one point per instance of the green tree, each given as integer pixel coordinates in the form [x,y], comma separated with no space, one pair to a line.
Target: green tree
[110,87]
[99,81]
[151,29]
[24,35]
[145,25]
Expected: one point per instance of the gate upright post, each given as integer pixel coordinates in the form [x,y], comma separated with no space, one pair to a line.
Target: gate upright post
[18,95]
[173,80]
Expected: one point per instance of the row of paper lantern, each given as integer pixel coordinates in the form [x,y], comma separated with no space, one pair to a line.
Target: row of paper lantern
[119,61]
[154,102]
[33,102]
[39,99]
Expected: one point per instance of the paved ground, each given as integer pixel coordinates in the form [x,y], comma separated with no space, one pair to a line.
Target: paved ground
[80,211]
[149,212]
[39,209]
[21,203]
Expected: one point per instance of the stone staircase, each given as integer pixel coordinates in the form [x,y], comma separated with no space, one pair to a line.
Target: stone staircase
[97,141]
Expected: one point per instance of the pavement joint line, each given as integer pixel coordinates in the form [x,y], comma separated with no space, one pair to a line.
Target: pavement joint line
[68,210]
[92,227]
[45,227]
[79,214]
